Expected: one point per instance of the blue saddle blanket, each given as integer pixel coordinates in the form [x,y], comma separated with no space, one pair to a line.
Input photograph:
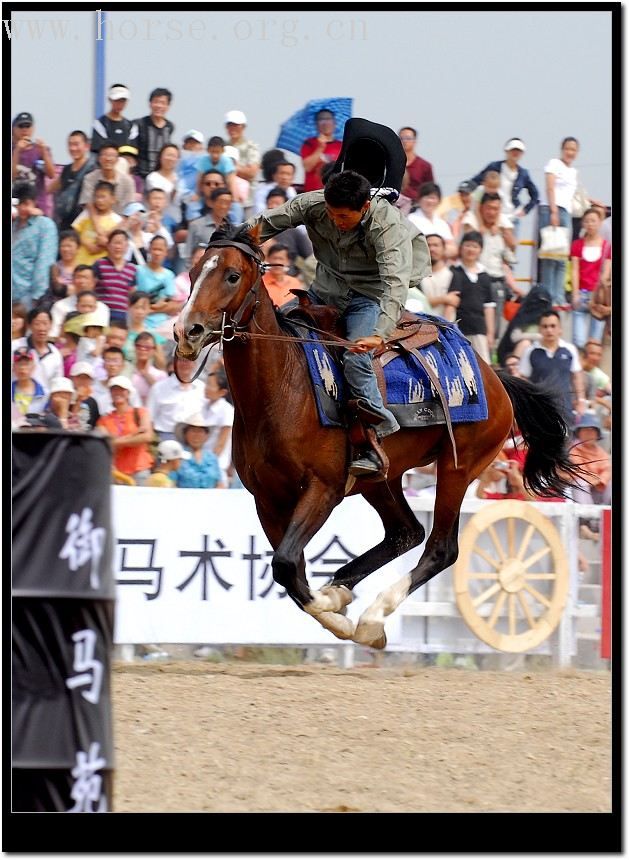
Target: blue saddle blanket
[410,393]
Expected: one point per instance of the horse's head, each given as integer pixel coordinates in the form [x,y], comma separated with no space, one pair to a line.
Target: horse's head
[223,288]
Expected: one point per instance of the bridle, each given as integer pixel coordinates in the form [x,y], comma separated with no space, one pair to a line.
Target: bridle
[231,326]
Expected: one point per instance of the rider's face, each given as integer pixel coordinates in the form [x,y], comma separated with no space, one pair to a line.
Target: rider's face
[345,219]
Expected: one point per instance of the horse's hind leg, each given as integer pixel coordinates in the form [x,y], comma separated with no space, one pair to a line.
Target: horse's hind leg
[442,546]
[402,532]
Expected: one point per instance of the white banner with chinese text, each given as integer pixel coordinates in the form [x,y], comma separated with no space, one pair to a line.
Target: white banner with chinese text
[193,566]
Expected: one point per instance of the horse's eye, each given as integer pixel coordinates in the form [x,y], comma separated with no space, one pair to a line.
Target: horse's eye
[233,278]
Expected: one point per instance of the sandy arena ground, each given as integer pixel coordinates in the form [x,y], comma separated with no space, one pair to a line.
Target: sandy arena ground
[248,737]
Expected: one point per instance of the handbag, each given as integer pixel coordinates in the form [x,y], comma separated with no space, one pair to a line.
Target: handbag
[580,202]
[555,241]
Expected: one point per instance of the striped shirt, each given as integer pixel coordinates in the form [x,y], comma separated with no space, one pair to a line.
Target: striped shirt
[114,285]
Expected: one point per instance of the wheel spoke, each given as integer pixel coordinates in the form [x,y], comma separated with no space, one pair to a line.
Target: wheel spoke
[512,621]
[485,595]
[497,544]
[486,556]
[536,594]
[527,610]
[483,576]
[511,537]
[498,606]
[536,556]
[540,575]
[525,542]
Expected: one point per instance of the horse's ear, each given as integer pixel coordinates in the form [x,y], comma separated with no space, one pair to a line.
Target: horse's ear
[254,232]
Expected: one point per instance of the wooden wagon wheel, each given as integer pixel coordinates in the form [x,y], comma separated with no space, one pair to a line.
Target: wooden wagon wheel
[502,594]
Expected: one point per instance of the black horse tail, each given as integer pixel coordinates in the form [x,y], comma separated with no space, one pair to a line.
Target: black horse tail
[542,423]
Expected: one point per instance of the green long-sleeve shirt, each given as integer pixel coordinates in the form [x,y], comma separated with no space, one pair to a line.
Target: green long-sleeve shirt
[381,258]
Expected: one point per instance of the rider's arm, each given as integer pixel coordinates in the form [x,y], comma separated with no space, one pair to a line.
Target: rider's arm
[290,214]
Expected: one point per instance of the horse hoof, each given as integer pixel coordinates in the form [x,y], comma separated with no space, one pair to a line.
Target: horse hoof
[340,596]
[371,634]
[342,627]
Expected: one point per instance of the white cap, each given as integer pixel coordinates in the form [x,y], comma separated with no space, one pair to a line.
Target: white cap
[156,180]
[132,208]
[80,367]
[195,135]
[170,449]
[235,116]
[121,382]
[514,143]
[97,317]
[232,152]
[118,92]
[60,383]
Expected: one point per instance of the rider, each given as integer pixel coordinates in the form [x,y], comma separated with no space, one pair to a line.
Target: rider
[368,255]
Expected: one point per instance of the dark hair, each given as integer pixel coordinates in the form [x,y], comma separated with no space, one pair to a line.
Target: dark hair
[218,192]
[429,188]
[568,140]
[69,234]
[511,354]
[215,141]
[145,335]
[407,128]
[212,170]
[35,312]
[18,309]
[549,314]
[158,160]
[113,233]
[114,349]
[268,161]
[82,267]
[283,164]
[25,192]
[78,133]
[108,186]
[489,196]
[158,238]
[472,236]
[107,144]
[435,236]
[85,292]
[324,110]
[136,295]
[161,91]
[277,192]
[347,189]
[276,248]
[221,378]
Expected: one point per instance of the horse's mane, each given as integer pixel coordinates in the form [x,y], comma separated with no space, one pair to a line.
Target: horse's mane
[236,234]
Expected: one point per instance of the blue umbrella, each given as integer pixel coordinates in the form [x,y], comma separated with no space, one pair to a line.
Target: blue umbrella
[302,124]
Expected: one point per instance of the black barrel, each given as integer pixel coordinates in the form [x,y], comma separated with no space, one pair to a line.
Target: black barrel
[63,593]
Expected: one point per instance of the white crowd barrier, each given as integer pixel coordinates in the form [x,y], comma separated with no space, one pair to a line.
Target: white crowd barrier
[193,566]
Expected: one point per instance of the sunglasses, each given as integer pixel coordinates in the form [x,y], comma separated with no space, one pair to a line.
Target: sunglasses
[24,125]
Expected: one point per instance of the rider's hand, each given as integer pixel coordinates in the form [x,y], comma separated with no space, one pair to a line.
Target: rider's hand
[364,344]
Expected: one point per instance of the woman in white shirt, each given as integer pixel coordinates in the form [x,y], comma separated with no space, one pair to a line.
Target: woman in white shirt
[425,219]
[560,187]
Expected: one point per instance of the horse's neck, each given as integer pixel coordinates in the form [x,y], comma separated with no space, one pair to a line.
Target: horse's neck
[260,370]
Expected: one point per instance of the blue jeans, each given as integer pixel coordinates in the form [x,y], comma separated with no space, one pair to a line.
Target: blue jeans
[584,325]
[361,317]
[552,273]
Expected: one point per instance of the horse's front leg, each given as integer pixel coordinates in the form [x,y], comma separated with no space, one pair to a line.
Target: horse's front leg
[289,567]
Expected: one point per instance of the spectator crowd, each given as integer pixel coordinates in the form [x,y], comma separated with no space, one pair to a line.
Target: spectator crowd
[102,245]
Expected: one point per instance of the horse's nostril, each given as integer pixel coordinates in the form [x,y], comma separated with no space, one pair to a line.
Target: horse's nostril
[195,332]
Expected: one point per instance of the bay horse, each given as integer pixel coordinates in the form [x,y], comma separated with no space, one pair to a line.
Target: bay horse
[297,470]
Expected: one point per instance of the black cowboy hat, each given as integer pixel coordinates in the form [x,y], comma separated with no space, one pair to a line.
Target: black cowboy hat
[373,150]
